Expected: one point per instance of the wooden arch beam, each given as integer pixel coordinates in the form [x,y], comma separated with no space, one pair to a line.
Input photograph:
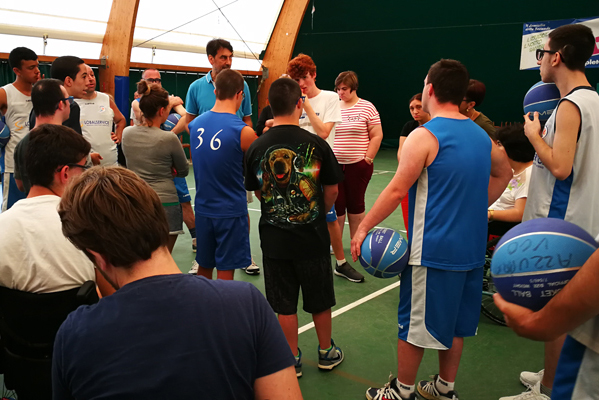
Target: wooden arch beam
[116,51]
[281,44]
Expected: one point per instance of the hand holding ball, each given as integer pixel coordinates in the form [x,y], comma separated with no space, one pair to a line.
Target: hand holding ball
[384,253]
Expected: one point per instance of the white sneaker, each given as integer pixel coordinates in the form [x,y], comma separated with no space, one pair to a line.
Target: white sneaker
[530,379]
[533,393]
[253,268]
[194,268]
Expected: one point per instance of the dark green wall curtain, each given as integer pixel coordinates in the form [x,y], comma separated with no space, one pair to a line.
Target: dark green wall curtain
[391,45]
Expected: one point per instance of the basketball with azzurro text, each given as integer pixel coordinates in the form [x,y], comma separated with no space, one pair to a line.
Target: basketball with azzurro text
[534,260]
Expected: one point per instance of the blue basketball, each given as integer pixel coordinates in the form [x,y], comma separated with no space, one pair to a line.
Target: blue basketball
[542,97]
[384,253]
[4,134]
[171,121]
[536,259]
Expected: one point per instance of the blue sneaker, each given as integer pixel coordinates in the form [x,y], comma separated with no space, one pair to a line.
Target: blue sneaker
[298,363]
[329,359]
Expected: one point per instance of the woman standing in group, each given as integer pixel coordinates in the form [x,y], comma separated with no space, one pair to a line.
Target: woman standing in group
[420,117]
[474,97]
[156,155]
[358,138]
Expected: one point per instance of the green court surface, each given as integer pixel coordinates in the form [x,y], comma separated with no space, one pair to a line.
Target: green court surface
[365,326]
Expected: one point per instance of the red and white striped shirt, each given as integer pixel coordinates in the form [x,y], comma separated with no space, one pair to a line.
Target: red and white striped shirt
[351,135]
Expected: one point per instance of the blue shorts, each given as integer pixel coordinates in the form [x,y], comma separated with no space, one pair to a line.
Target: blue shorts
[437,305]
[223,243]
[10,192]
[576,374]
[332,215]
[182,190]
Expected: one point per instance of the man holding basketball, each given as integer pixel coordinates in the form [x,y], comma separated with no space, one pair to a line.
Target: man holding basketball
[564,185]
[453,173]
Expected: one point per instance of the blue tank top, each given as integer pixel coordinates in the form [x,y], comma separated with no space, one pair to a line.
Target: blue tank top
[218,165]
[449,201]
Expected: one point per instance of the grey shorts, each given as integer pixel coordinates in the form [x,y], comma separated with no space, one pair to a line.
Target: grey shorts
[174,216]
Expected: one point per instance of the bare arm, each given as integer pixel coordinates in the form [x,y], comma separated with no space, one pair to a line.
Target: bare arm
[247,138]
[181,125]
[402,140]
[248,120]
[501,172]
[375,133]
[179,158]
[575,304]
[330,195]
[559,159]
[322,129]
[3,101]
[188,118]
[513,214]
[281,385]
[119,120]
[136,110]
[419,151]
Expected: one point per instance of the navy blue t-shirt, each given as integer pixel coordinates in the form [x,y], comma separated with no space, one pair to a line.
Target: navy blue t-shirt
[169,337]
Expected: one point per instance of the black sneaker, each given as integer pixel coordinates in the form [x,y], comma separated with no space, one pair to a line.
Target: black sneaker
[329,359]
[428,390]
[387,392]
[298,364]
[348,272]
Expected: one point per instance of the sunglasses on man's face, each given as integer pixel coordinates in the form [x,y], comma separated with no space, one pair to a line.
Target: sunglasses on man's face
[154,80]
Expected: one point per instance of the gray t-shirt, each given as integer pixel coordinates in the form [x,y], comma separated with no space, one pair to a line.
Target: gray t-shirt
[152,153]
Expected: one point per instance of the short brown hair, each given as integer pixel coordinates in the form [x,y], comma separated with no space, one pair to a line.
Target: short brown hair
[113,212]
[476,91]
[417,96]
[227,84]
[348,78]
[283,95]
[300,66]
[153,98]
[450,81]
[575,43]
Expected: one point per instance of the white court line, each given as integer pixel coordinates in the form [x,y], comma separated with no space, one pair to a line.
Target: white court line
[353,305]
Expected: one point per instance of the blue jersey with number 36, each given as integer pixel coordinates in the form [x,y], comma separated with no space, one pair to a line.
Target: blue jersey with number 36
[218,165]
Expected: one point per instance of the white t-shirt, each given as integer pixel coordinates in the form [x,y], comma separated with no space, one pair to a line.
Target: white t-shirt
[96,120]
[516,189]
[326,106]
[35,255]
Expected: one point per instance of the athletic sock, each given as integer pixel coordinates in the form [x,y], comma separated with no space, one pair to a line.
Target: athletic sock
[405,390]
[326,350]
[443,386]
[546,391]
[192,232]
[297,356]
[341,262]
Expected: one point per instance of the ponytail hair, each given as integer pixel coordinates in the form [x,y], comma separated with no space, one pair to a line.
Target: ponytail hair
[153,98]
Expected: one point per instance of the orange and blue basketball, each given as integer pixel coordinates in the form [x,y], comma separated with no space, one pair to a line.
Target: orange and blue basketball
[171,121]
[534,260]
[543,98]
[384,253]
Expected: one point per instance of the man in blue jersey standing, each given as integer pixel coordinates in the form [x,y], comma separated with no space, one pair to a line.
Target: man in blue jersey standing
[453,173]
[218,142]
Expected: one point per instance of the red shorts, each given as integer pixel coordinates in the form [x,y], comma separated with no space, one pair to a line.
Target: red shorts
[353,188]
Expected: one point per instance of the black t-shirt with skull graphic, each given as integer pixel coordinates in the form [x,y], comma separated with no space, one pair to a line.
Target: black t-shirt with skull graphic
[289,165]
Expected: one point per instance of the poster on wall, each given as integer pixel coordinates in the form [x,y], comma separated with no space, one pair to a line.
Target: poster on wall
[534,36]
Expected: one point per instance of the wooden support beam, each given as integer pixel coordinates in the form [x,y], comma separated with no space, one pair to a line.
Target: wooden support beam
[116,46]
[281,44]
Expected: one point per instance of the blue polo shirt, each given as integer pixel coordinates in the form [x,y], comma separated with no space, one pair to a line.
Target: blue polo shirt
[201,97]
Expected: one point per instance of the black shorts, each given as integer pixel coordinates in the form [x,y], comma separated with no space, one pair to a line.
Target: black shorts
[283,279]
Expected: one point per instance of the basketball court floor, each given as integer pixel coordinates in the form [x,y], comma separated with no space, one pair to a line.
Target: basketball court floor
[365,326]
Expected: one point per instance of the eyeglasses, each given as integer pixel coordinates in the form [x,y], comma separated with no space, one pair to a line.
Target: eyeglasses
[242,93]
[541,53]
[70,100]
[74,165]
[154,80]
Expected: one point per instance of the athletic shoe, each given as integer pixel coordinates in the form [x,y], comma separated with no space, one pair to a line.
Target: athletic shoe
[387,392]
[298,364]
[529,379]
[329,359]
[428,390]
[252,269]
[348,272]
[194,268]
[194,245]
[533,393]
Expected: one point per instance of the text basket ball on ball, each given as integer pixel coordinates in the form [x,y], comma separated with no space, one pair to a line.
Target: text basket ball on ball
[536,259]
[171,121]
[543,98]
[384,253]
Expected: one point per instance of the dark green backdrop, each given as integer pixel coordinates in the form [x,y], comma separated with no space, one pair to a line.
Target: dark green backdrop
[391,45]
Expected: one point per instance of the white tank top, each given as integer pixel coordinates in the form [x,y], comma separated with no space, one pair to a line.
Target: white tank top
[96,124]
[17,119]
[575,199]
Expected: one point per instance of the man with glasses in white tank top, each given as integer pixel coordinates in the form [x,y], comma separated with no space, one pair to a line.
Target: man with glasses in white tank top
[15,105]
[98,113]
